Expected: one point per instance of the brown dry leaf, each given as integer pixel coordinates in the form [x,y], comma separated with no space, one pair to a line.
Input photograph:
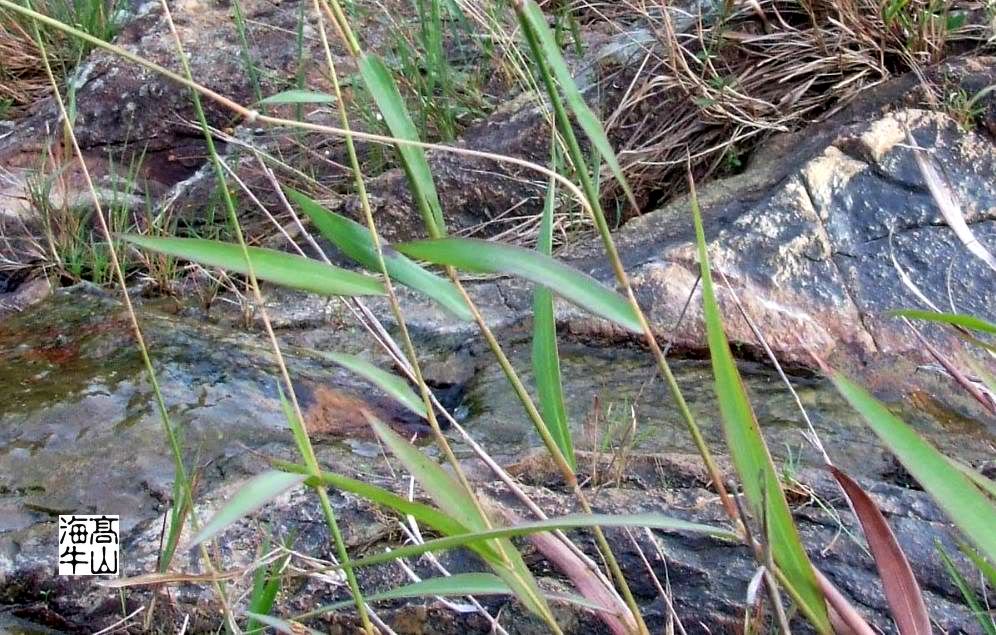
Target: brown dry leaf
[901,588]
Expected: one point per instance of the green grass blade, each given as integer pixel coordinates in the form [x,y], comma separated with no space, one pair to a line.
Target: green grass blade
[355,242]
[456,585]
[969,322]
[987,570]
[457,503]
[751,457]
[489,257]
[284,626]
[297,96]
[971,599]
[424,514]
[533,19]
[280,268]
[251,497]
[266,587]
[545,355]
[962,501]
[441,487]
[985,483]
[390,383]
[572,521]
[385,93]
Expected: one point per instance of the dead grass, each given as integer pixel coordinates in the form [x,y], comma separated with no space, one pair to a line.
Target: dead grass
[22,78]
[712,90]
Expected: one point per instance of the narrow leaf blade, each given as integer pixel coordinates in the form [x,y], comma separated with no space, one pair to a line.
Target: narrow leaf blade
[355,242]
[250,498]
[901,588]
[280,268]
[961,500]
[535,20]
[456,585]
[390,383]
[954,319]
[490,257]
[545,354]
[750,453]
[298,96]
[381,85]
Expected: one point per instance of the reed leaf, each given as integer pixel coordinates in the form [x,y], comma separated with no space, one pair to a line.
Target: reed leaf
[489,257]
[456,585]
[534,23]
[751,457]
[571,521]
[969,322]
[457,503]
[390,383]
[392,107]
[286,270]
[545,356]
[297,96]
[970,510]
[355,242]
[256,493]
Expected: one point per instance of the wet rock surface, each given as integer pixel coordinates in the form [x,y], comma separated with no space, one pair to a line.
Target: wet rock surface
[79,432]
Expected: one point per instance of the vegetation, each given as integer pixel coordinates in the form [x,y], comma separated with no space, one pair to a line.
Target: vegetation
[433,100]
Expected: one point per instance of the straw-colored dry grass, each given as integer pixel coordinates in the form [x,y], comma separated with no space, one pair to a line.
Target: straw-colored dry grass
[712,92]
[22,79]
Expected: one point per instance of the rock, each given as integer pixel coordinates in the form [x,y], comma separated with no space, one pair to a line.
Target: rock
[804,239]
[79,432]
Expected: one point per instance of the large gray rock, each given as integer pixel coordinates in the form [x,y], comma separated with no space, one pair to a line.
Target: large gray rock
[803,238]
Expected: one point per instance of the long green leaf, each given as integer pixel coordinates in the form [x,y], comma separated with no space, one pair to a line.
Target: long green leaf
[424,514]
[354,240]
[456,585]
[390,383]
[490,257]
[453,499]
[280,268]
[572,521]
[534,20]
[982,616]
[385,93]
[546,357]
[960,499]
[284,626]
[750,454]
[251,497]
[954,319]
[298,96]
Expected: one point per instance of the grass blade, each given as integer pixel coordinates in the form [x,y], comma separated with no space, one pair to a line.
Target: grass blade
[385,93]
[390,383]
[488,257]
[284,626]
[961,500]
[982,616]
[572,521]
[354,240]
[534,21]
[901,588]
[457,503]
[954,319]
[297,96]
[456,585]
[280,268]
[260,490]
[985,483]
[545,356]
[751,457]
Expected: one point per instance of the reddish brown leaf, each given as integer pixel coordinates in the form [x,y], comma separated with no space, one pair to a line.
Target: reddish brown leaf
[901,588]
